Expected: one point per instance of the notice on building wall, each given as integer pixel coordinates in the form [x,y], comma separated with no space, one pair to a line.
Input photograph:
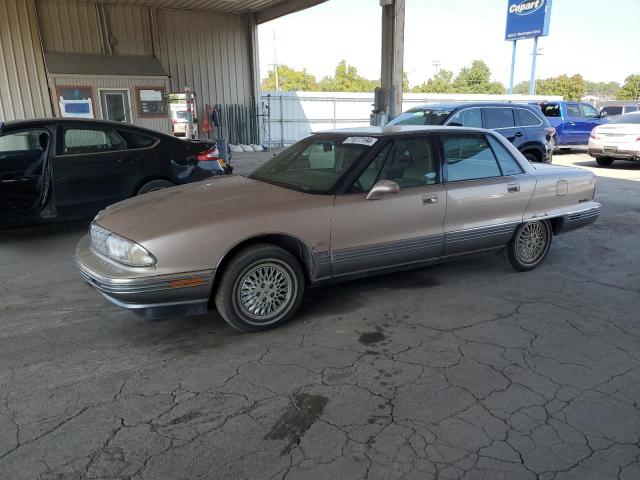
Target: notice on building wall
[151,102]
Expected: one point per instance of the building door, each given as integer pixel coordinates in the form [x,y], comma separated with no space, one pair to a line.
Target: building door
[115,105]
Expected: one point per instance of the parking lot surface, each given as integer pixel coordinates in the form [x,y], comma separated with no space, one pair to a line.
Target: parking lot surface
[463,370]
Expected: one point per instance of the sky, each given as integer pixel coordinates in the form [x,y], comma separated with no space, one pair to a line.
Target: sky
[598,39]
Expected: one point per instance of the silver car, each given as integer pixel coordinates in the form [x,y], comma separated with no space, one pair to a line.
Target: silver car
[334,206]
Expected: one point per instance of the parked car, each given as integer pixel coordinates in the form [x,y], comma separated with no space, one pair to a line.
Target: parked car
[611,111]
[59,168]
[573,122]
[334,206]
[618,139]
[179,120]
[522,125]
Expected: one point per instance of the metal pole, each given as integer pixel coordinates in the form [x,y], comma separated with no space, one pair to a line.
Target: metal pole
[513,67]
[532,82]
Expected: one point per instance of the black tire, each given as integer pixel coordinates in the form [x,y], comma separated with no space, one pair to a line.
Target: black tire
[154,185]
[514,254]
[604,161]
[242,270]
[531,157]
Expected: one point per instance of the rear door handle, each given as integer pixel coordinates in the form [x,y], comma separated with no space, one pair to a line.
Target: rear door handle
[513,187]
[128,159]
[519,134]
[430,199]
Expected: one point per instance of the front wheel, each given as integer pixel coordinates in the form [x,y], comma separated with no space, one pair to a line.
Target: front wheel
[604,161]
[529,245]
[261,288]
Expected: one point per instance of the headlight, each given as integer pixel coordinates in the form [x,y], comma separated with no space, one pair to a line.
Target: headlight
[120,249]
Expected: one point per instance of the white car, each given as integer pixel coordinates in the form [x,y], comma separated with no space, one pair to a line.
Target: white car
[618,139]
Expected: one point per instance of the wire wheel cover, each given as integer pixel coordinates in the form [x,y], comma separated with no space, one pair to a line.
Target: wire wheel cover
[265,290]
[531,242]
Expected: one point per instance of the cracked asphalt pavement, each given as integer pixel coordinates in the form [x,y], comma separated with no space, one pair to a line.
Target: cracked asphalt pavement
[464,370]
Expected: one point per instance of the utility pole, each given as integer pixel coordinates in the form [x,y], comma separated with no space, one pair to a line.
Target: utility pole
[275,59]
[436,64]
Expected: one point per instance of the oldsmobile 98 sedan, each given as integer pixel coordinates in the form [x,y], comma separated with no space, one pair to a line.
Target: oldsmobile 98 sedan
[334,206]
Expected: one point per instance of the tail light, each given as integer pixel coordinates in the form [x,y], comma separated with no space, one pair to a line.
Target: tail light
[211,155]
[593,134]
[551,132]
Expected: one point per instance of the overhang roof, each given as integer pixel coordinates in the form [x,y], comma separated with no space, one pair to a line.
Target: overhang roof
[265,10]
[90,64]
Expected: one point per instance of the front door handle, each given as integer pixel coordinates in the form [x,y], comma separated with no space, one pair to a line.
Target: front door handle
[519,134]
[128,159]
[513,187]
[430,199]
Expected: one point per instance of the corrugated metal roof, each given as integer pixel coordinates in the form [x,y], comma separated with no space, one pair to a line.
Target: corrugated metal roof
[87,64]
[226,6]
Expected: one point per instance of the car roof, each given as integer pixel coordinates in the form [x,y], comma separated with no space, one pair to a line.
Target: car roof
[401,129]
[458,105]
[37,122]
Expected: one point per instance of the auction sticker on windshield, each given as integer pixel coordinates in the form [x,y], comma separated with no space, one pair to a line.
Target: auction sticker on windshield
[368,141]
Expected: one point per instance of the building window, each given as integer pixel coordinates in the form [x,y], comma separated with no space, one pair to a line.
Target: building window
[75,101]
[151,102]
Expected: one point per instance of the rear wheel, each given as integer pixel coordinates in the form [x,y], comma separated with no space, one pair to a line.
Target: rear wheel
[154,185]
[604,161]
[261,288]
[529,245]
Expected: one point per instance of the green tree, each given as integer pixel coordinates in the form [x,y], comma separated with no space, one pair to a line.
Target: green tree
[346,79]
[571,88]
[289,79]
[603,89]
[476,79]
[440,83]
[631,88]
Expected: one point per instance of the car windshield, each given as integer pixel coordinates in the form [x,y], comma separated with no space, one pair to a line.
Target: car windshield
[181,114]
[429,116]
[315,164]
[627,118]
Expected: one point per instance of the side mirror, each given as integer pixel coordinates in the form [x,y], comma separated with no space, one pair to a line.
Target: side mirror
[382,188]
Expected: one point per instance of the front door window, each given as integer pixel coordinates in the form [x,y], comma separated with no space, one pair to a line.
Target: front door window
[115,105]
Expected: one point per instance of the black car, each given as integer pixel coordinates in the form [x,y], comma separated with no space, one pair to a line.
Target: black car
[523,125]
[59,168]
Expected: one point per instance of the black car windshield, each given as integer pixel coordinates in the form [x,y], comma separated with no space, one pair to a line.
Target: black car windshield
[627,118]
[429,116]
[315,164]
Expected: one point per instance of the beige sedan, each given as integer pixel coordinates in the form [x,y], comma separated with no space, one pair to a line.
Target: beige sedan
[334,206]
[617,139]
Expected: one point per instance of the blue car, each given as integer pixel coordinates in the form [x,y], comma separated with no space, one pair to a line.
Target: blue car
[573,122]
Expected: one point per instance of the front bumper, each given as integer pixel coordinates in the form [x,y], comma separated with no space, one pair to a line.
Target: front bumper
[146,294]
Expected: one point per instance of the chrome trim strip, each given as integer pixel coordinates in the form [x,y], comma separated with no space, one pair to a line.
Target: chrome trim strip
[139,285]
[480,233]
[387,248]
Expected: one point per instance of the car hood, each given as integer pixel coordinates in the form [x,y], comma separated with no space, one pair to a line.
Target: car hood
[171,209]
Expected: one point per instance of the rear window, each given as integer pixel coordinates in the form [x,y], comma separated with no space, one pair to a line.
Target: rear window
[527,118]
[633,118]
[498,117]
[612,110]
[632,109]
[550,109]
[139,140]
[422,117]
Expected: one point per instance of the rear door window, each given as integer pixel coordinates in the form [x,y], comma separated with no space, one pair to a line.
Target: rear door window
[469,117]
[498,117]
[508,164]
[588,111]
[469,157]
[527,118]
[573,110]
[631,109]
[92,140]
